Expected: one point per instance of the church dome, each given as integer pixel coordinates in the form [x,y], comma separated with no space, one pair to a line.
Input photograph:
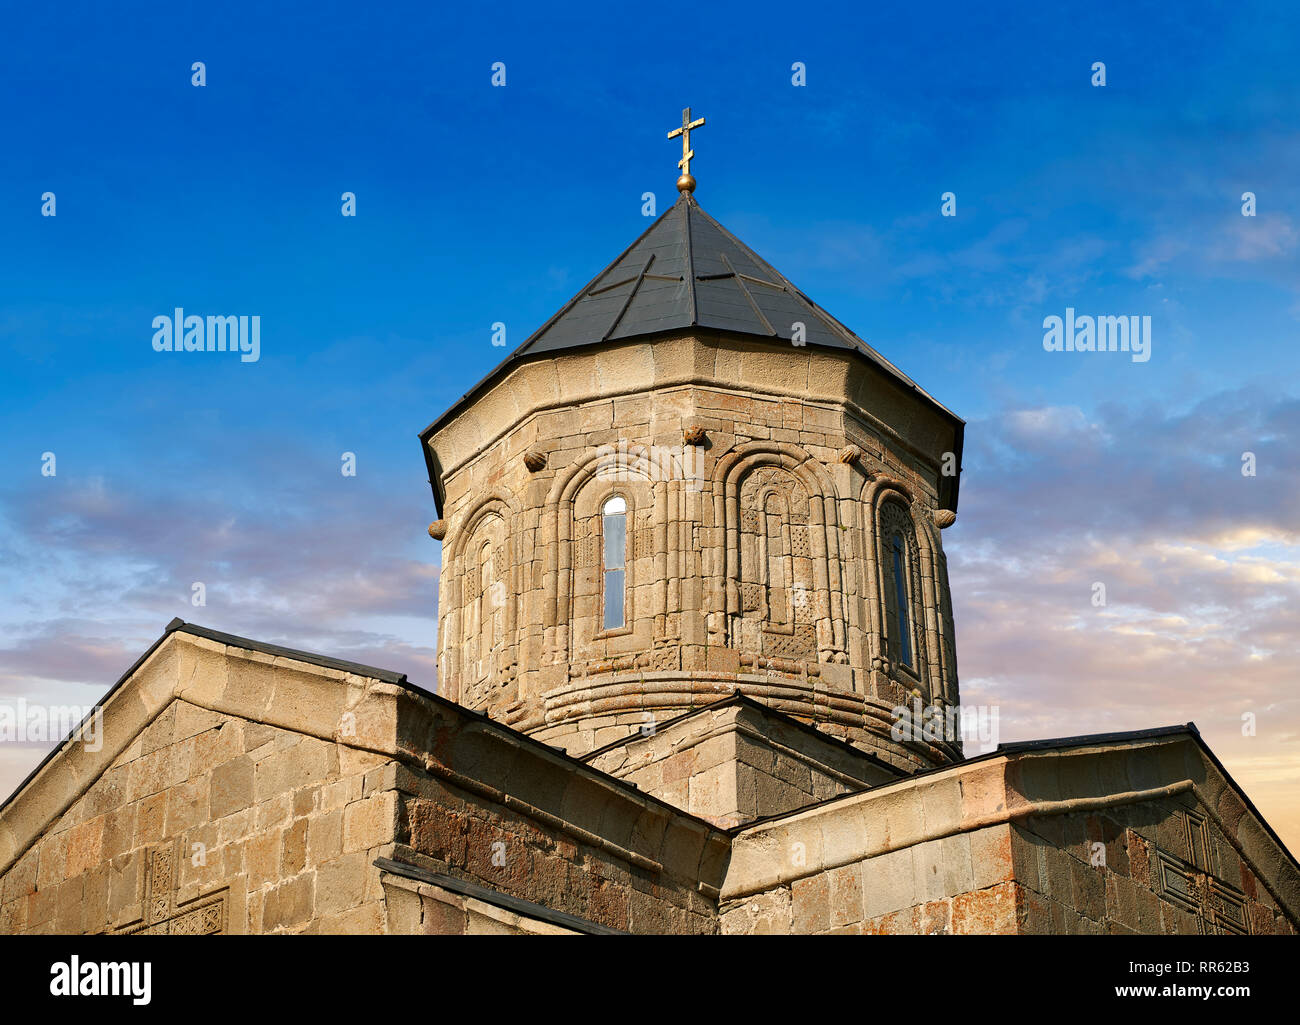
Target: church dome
[690,482]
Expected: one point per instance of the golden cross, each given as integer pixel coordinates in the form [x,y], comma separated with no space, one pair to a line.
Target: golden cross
[686,183]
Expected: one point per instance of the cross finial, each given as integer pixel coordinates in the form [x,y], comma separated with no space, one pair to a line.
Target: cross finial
[686,183]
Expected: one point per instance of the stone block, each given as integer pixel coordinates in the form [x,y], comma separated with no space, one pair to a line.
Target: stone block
[289,905]
[991,856]
[370,822]
[365,920]
[85,845]
[986,912]
[846,895]
[293,858]
[262,858]
[187,806]
[888,883]
[810,900]
[341,883]
[53,861]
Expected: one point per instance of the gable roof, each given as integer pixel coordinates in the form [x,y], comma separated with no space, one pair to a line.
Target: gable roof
[178,624]
[1012,749]
[77,767]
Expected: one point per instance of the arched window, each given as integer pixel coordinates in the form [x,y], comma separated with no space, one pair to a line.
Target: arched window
[614,530]
[489,600]
[902,625]
[898,569]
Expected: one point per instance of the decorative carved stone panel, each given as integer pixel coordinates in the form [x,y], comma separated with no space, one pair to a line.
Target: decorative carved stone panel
[485,594]
[586,545]
[1192,885]
[163,914]
[776,567]
[801,645]
[665,658]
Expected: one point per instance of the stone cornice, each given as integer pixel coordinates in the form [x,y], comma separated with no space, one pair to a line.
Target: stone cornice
[517,399]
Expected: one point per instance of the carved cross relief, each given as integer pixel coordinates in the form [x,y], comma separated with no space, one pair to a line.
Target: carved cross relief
[201,916]
[1191,885]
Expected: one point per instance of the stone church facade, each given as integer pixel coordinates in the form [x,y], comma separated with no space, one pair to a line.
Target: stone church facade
[692,567]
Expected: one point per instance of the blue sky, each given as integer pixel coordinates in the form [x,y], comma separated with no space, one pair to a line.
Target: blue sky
[478,204]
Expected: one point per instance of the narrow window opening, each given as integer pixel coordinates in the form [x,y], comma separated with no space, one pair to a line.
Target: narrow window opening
[485,606]
[901,604]
[614,529]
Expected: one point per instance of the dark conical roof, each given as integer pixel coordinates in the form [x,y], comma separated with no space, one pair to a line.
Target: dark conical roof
[686,271]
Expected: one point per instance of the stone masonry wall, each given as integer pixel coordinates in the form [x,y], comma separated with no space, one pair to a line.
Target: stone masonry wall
[1100,838]
[515,855]
[525,471]
[421,908]
[733,764]
[1161,867]
[212,823]
[528,822]
[960,885]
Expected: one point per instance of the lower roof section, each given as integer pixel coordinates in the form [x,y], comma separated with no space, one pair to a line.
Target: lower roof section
[523,908]
[1006,842]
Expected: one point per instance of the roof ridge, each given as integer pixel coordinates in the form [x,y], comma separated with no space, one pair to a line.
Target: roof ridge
[583,291]
[833,322]
[687,201]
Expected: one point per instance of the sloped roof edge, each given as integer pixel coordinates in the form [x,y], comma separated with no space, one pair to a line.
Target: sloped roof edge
[517,905]
[684,313]
[384,675]
[1056,744]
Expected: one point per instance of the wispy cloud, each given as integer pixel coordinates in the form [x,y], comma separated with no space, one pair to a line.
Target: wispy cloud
[1223,245]
[1200,567]
[95,568]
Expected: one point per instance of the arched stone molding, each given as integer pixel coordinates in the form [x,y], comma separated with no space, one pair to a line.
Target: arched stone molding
[930,670]
[823,535]
[577,494]
[492,518]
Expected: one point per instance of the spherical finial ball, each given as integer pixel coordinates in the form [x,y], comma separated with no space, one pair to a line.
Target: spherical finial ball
[686,183]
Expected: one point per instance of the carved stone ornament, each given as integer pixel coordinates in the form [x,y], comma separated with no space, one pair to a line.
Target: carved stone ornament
[534,460]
